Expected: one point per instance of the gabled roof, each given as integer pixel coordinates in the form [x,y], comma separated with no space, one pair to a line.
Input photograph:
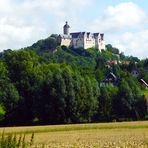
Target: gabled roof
[112,75]
[144,82]
[76,34]
[65,36]
[88,33]
[101,34]
[112,78]
[96,34]
[111,62]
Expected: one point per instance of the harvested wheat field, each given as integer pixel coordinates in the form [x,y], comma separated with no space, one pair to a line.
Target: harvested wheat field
[103,135]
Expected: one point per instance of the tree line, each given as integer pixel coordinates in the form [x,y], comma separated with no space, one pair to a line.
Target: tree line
[45,87]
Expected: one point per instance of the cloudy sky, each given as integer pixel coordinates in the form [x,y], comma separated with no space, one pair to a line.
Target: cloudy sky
[124,22]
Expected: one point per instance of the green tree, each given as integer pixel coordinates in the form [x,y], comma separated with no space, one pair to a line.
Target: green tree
[70,99]
[129,100]
[2,112]
[108,94]
[9,96]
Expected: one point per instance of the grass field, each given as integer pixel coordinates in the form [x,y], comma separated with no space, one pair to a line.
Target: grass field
[124,135]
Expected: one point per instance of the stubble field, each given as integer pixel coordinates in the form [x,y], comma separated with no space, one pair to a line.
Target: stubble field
[104,135]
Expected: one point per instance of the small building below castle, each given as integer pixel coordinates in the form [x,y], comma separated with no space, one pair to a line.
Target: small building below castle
[81,39]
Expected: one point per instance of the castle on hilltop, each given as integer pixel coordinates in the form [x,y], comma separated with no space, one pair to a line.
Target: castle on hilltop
[81,39]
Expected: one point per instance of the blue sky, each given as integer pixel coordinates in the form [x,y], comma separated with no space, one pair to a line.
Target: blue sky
[125,23]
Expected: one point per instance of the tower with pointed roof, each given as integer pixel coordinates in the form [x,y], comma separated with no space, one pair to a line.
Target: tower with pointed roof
[66,28]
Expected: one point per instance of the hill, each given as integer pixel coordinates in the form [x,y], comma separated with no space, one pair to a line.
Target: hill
[49,84]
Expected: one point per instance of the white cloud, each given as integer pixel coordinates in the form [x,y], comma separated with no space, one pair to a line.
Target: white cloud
[121,16]
[125,15]
[16,33]
[125,27]
[24,22]
[135,44]
[16,28]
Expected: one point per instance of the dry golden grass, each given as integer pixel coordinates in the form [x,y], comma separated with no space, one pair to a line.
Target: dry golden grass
[95,138]
[104,135]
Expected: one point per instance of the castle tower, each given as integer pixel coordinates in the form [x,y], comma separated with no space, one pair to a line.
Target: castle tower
[66,28]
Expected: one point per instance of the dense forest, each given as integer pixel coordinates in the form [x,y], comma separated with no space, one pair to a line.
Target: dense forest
[51,84]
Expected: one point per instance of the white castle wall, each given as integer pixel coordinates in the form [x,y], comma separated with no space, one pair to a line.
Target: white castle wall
[78,42]
[89,42]
[101,45]
[66,42]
